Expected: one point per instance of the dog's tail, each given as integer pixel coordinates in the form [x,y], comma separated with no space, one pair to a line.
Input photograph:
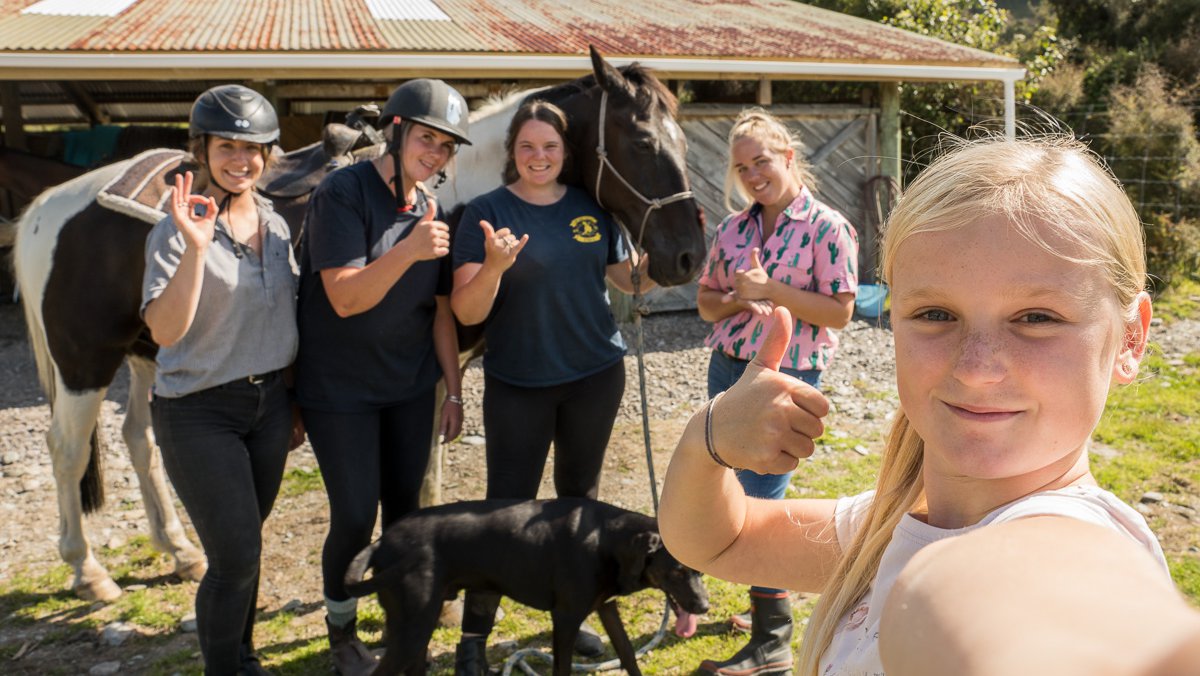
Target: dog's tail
[354,582]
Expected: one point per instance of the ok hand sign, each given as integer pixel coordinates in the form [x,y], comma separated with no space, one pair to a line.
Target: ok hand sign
[197,230]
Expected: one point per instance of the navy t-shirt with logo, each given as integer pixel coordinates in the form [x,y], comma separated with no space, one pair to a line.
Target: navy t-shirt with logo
[551,322]
[383,356]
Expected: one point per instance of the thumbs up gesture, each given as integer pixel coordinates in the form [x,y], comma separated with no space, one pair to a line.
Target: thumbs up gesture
[751,288]
[752,284]
[430,238]
[767,421]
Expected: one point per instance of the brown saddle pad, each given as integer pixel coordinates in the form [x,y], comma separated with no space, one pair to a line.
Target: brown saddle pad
[142,189]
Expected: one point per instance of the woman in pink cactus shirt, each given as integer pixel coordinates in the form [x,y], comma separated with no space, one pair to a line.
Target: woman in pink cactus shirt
[786,248]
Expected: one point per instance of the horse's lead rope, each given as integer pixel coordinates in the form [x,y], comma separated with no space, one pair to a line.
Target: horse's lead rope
[640,307]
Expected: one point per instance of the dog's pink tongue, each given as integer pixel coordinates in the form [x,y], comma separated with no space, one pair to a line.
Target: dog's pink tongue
[685,623]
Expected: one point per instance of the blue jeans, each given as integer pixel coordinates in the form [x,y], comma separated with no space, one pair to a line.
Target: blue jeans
[723,372]
[224,449]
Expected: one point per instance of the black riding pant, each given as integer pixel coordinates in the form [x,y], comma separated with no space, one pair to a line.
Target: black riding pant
[224,449]
[368,461]
[520,423]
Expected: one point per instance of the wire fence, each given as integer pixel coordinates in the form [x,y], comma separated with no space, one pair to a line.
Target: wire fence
[1153,178]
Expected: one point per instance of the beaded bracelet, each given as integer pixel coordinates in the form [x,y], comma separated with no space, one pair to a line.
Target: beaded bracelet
[454,399]
[708,435]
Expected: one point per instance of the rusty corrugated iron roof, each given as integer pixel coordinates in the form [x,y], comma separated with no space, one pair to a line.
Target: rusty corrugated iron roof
[708,29]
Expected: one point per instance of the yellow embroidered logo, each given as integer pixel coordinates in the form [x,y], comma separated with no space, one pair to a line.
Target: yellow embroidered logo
[584,229]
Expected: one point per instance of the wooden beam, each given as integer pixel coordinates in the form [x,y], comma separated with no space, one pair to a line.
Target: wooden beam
[764,92]
[379,91]
[85,103]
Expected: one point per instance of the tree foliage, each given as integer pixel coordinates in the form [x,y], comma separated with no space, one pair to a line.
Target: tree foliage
[1137,60]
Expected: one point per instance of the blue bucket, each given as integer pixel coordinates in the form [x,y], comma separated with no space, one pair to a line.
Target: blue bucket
[871,299]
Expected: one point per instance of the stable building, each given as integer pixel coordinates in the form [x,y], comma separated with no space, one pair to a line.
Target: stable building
[97,64]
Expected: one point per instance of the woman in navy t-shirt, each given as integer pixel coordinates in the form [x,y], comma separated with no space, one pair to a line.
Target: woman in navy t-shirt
[530,261]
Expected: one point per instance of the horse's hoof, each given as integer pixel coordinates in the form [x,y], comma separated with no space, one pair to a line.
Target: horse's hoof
[102,590]
[193,571]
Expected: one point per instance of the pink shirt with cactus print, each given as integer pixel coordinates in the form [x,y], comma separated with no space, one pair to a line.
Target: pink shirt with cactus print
[813,248]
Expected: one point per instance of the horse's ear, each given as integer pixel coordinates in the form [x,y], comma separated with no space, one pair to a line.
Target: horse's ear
[610,79]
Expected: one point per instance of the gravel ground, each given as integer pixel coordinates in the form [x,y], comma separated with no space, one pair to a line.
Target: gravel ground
[860,385]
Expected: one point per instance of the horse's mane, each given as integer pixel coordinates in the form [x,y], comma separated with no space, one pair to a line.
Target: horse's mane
[649,89]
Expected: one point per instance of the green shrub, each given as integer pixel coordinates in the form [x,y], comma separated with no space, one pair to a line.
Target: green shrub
[1172,250]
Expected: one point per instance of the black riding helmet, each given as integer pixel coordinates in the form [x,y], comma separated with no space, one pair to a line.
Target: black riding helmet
[234,112]
[432,103]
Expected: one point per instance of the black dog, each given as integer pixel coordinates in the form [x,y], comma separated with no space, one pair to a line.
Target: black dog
[569,556]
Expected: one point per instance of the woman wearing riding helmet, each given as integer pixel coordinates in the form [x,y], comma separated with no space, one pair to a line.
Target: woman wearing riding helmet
[219,297]
[374,314]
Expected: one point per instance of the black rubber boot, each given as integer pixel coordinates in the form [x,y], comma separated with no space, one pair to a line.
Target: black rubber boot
[770,648]
[470,657]
[588,643]
[350,656]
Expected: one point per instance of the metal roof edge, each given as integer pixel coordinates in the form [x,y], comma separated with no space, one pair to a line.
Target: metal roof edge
[108,65]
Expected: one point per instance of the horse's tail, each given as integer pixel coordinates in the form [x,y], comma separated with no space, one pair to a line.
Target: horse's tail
[354,582]
[91,486]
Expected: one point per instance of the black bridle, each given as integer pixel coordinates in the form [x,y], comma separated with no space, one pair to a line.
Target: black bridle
[652,205]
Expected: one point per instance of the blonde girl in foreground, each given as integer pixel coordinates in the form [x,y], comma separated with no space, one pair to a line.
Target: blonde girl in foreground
[1017,273]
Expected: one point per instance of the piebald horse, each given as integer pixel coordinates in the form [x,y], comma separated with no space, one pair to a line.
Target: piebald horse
[80,264]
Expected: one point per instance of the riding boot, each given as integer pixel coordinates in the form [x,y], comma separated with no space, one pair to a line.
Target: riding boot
[587,642]
[470,657]
[769,650]
[350,656]
[250,666]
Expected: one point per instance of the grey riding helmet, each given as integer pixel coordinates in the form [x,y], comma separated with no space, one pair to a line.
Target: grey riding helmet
[432,103]
[234,112]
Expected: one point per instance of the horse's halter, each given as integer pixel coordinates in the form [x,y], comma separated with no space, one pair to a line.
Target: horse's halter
[652,205]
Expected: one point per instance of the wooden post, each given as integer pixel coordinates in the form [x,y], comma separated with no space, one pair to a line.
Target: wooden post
[764,92]
[14,123]
[889,130]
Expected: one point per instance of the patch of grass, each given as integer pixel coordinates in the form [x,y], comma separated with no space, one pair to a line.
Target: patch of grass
[160,608]
[27,599]
[184,662]
[1153,423]
[1182,300]
[1186,573]
[299,657]
[300,480]
[137,557]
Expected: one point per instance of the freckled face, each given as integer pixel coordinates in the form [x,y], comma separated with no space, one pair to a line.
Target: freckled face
[1005,353]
